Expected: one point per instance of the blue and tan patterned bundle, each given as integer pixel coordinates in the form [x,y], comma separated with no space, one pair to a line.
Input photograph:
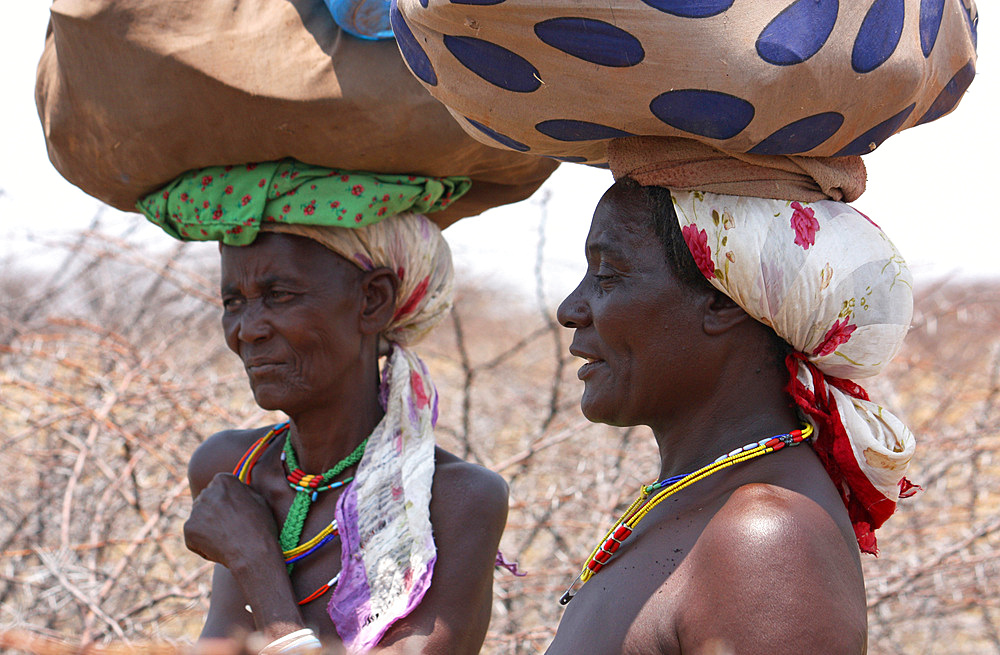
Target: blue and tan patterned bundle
[820,78]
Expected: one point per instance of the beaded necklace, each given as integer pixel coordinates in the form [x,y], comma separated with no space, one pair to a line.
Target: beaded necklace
[641,506]
[307,486]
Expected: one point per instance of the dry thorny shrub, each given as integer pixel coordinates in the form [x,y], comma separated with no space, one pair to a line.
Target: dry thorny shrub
[113,369]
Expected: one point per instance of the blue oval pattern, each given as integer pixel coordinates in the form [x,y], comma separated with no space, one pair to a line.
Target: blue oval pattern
[931,12]
[691,8]
[712,114]
[591,40]
[495,64]
[950,94]
[571,160]
[475,2]
[798,32]
[875,136]
[879,35]
[564,129]
[800,136]
[499,138]
[411,50]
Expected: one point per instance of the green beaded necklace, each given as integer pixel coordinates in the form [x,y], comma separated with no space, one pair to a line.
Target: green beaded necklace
[307,487]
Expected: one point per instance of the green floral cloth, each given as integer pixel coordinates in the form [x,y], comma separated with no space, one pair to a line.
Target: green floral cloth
[229,203]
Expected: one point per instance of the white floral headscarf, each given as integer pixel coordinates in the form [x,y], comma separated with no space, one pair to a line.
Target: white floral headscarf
[832,285]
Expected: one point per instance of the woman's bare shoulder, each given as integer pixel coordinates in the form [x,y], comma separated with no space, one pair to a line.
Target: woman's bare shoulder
[220,453]
[766,555]
[470,489]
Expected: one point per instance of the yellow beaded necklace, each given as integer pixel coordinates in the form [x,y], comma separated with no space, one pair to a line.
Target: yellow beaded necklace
[641,506]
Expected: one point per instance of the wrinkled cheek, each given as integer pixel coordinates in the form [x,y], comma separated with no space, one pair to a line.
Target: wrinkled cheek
[229,336]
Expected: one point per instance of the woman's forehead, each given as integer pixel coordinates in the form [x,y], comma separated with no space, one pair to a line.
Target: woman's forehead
[622,215]
[281,256]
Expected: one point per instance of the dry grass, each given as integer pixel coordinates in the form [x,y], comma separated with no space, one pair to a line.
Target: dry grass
[113,369]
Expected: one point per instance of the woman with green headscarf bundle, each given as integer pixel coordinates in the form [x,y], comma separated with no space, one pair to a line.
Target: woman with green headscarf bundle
[345,521]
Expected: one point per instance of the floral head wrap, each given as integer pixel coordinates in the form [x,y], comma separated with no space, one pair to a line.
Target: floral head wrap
[832,285]
[388,553]
[231,203]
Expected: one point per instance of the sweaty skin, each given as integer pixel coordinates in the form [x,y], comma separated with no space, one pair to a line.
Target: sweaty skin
[757,559]
[305,323]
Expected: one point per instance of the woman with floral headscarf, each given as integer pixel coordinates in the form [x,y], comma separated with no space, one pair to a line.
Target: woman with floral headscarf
[774,468]
[345,521]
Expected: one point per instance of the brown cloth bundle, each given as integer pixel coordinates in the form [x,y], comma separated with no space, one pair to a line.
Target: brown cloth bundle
[689,165]
[132,93]
[785,94]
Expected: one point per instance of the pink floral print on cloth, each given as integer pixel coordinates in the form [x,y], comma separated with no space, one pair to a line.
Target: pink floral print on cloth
[805,225]
[832,285]
[230,203]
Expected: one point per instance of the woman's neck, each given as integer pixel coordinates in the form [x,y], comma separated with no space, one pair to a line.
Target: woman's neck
[323,436]
[743,405]
[686,449]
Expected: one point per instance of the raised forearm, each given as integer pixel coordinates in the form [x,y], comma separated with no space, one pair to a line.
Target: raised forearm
[268,591]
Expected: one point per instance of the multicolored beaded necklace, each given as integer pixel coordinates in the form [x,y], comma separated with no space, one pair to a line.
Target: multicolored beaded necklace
[307,487]
[623,527]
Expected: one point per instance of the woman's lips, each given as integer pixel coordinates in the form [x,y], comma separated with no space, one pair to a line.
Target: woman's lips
[591,363]
[262,368]
[588,368]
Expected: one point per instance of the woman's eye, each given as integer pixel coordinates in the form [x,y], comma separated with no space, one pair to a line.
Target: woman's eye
[605,273]
[232,304]
[279,295]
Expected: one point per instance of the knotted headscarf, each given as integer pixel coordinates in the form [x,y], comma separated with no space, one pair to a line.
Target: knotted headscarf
[832,285]
[231,203]
[388,553]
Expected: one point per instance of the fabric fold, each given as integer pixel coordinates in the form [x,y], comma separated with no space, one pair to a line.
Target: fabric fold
[688,165]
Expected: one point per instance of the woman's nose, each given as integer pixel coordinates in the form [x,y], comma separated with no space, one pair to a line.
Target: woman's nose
[574,312]
[253,324]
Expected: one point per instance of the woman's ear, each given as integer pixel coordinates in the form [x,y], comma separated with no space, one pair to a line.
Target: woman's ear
[722,313]
[378,288]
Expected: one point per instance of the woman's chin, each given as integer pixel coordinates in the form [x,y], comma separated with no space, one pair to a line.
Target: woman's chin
[594,410]
[603,410]
[270,399]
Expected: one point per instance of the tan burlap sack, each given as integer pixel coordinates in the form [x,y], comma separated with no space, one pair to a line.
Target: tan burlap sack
[765,77]
[132,93]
